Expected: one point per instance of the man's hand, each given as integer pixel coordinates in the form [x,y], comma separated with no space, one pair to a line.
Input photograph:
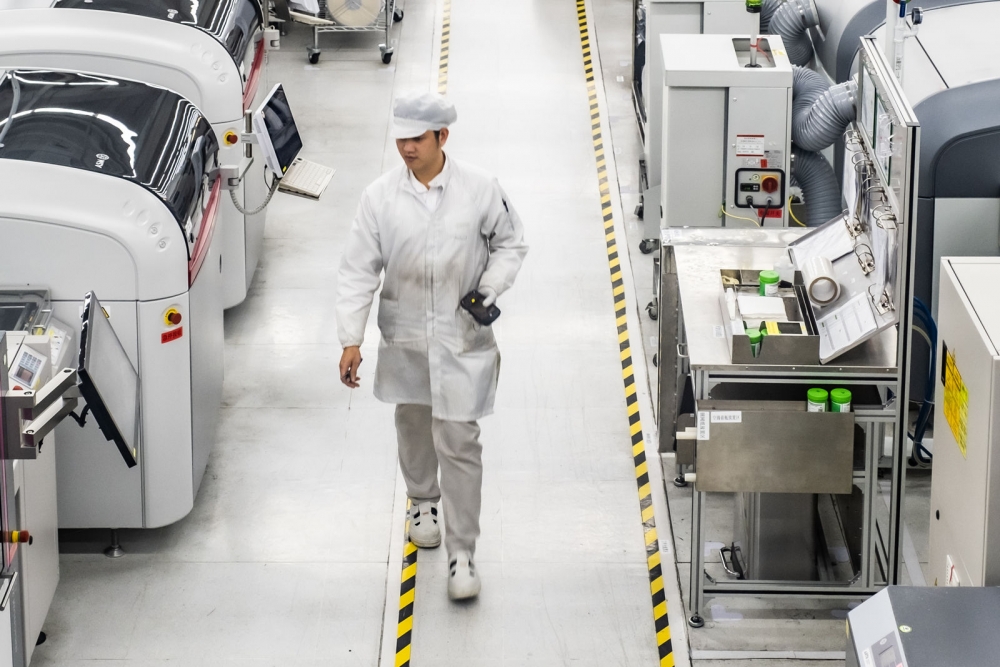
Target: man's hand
[489,296]
[349,363]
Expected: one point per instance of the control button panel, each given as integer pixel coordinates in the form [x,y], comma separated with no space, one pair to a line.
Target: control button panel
[755,187]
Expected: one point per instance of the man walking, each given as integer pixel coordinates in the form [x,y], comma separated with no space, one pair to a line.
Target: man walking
[440,230]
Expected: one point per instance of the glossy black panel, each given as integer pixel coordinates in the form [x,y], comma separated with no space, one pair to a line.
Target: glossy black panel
[120,128]
[232,22]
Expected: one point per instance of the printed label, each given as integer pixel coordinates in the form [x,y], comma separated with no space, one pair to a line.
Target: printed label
[703,425]
[719,331]
[750,144]
[172,335]
[727,417]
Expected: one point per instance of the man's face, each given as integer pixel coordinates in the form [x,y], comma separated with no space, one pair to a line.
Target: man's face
[420,152]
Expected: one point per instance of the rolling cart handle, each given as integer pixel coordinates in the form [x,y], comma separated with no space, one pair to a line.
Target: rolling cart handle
[208,220]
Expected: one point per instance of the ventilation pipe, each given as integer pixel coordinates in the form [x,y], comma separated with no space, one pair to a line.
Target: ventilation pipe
[820,112]
[766,13]
[820,189]
[792,21]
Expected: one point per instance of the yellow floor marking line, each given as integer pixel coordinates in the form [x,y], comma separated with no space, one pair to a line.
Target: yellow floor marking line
[445,47]
[657,593]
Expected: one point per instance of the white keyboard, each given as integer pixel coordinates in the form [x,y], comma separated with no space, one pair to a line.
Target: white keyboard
[306,178]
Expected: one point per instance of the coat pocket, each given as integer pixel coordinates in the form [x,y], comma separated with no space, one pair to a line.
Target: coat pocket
[474,335]
[388,318]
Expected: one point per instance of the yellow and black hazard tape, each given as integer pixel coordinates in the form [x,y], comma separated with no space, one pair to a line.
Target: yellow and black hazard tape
[659,598]
[407,593]
[445,47]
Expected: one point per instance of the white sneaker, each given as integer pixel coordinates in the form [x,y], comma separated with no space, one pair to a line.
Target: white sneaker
[464,582]
[424,529]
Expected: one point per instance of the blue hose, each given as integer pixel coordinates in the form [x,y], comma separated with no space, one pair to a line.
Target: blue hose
[923,314]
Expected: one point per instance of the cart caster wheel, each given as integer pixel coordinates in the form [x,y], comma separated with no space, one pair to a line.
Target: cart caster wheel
[639,211]
[696,621]
[656,363]
[647,246]
[386,58]
[652,311]
[397,16]
[680,482]
[41,639]
[314,57]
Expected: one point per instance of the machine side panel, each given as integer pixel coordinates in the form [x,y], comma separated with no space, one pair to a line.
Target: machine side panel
[661,19]
[763,113]
[41,570]
[729,17]
[95,488]
[963,228]
[165,450]
[207,352]
[959,484]
[694,120]
[93,262]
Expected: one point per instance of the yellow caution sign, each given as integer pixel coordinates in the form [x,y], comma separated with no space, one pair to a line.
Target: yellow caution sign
[956,403]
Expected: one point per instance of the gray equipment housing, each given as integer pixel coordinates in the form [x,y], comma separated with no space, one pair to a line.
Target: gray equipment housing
[925,627]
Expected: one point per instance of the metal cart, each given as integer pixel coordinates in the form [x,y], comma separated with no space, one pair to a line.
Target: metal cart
[388,15]
[817,497]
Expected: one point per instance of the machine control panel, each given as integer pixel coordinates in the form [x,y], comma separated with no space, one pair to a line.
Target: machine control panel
[761,189]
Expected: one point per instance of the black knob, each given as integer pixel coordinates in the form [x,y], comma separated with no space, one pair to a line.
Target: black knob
[917,16]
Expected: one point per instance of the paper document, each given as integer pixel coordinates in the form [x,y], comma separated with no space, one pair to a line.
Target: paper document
[845,326]
[762,307]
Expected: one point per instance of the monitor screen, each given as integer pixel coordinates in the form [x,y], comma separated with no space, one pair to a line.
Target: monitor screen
[108,381]
[281,128]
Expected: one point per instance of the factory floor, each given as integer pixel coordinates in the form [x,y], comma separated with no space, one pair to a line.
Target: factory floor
[293,554]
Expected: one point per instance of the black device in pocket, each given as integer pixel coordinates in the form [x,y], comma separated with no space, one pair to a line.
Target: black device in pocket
[485,315]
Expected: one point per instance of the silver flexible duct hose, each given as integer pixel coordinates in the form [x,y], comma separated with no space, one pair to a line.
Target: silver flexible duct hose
[768,8]
[820,112]
[792,21]
[820,190]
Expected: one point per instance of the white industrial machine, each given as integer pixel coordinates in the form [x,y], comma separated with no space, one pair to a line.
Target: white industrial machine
[965,487]
[212,53]
[726,131]
[654,19]
[107,188]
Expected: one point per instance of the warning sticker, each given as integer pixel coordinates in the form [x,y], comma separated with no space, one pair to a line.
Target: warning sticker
[956,402]
[750,144]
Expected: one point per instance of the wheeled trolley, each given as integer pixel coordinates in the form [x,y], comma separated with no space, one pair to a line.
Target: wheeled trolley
[348,17]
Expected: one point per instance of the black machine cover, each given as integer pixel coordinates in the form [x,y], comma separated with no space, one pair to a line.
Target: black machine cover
[232,22]
[145,134]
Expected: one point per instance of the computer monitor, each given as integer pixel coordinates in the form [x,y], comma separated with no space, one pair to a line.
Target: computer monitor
[275,129]
[108,381]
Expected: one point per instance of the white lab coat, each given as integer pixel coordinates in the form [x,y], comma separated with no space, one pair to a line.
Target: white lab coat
[432,351]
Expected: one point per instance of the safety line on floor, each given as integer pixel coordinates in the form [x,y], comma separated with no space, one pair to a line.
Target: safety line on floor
[407,593]
[445,47]
[659,598]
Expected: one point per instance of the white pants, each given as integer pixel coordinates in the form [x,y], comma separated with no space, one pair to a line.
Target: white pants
[427,444]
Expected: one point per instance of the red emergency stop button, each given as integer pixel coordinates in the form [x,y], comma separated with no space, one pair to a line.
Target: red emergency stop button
[769,184]
[172,317]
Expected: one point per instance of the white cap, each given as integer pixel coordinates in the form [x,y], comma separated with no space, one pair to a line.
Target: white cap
[414,114]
